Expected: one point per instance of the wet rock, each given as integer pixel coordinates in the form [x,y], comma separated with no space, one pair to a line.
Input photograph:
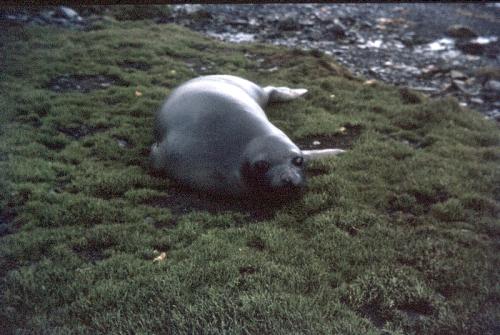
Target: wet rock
[272,18]
[430,70]
[409,39]
[492,85]
[459,31]
[68,13]
[307,23]
[123,144]
[238,22]
[190,9]
[471,47]
[454,74]
[82,83]
[335,31]
[424,89]
[493,114]
[46,16]
[465,88]
[288,24]
[477,101]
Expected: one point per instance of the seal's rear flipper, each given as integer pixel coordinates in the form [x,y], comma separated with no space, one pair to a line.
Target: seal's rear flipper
[277,94]
[322,153]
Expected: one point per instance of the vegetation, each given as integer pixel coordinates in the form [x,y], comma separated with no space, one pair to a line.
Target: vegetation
[398,236]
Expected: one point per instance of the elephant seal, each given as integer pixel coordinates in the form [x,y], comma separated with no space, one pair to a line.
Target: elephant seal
[212,135]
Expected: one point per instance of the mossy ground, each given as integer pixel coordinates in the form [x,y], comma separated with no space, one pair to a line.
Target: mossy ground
[397,236]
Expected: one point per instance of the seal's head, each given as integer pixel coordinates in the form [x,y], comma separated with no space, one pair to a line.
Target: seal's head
[273,165]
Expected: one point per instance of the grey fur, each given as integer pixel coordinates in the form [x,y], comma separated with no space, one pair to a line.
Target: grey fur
[212,130]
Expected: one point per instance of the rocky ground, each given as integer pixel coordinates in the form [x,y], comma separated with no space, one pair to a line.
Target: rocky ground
[438,49]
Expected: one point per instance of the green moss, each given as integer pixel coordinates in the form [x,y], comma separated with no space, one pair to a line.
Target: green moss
[398,235]
[451,210]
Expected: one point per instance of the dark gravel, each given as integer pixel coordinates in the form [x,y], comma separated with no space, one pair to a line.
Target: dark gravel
[439,49]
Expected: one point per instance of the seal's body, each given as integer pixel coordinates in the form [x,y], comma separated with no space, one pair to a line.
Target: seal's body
[213,135]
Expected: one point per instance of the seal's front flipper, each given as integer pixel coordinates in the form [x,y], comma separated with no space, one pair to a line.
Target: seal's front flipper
[277,94]
[322,153]
[155,157]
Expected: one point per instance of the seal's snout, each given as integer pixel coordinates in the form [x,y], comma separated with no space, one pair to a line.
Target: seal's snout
[291,179]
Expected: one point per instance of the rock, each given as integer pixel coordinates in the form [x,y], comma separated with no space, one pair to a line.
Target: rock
[61,21]
[471,47]
[272,18]
[289,23]
[39,21]
[190,9]
[430,70]
[315,35]
[46,16]
[477,101]
[457,75]
[238,22]
[336,30]
[307,23]
[493,114]
[123,144]
[459,31]
[67,13]
[409,39]
[423,89]
[492,85]
[462,86]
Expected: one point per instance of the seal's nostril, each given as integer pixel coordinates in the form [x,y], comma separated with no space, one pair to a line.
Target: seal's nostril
[289,180]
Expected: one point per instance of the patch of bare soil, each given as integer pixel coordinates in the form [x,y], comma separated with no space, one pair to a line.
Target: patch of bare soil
[343,139]
[182,201]
[82,83]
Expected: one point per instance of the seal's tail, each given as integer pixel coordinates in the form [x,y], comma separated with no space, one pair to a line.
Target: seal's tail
[278,94]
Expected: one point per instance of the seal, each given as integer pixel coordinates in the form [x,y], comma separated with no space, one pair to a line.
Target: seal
[213,135]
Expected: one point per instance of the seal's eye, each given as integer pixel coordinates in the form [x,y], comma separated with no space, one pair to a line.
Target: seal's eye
[261,166]
[298,161]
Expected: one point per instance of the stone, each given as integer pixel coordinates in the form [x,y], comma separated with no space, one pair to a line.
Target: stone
[289,23]
[238,22]
[459,31]
[493,114]
[424,89]
[457,75]
[492,85]
[471,47]
[335,31]
[66,12]
[307,23]
[39,21]
[122,144]
[46,16]
[462,86]
[430,70]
